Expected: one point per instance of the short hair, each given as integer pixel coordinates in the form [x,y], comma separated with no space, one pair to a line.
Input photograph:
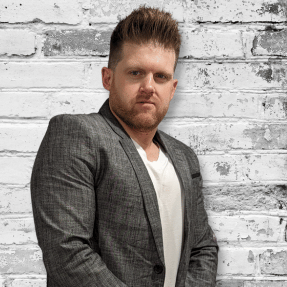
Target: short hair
[142,26]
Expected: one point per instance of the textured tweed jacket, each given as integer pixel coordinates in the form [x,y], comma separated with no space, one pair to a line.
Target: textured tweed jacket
[96,213]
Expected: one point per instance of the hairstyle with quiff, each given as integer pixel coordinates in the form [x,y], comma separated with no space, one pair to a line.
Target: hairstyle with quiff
[142,26]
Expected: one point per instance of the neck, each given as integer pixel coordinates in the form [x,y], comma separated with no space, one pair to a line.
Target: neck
[143,138]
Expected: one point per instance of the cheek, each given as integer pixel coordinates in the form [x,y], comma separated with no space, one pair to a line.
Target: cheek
[130,89]
[166,94]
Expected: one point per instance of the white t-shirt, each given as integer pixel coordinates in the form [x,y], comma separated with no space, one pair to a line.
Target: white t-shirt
[170,202]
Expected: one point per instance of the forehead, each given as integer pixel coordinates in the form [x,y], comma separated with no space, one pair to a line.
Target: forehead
[147,54]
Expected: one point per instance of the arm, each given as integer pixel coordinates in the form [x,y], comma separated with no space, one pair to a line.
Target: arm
[64,206]
[203,258]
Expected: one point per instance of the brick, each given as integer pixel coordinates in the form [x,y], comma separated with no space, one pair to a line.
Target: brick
[269,283]
[17,231]
[34,105]
[266,136]
[15,199]
[16,170]
[58,11]
[248,228]
[33,282]
[274,107]
[21,260]
[270,43]
[236,11]
[230,283]
[243,168]
[255,197]
[112,11]
[225,104]
[255,75]
[17,42]
[206,43]
[42,75]
[273,262]
[76,103]
[21,137]
[237,261]
[77,43]
[205,104]
[243,260]
[208,136]
[23,105]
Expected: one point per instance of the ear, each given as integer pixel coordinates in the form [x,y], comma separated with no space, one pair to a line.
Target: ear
[107,77]
[174,85]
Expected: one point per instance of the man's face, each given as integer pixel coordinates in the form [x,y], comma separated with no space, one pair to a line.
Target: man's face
[142,85]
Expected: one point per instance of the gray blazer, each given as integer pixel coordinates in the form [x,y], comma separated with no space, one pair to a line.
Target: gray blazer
[96,213]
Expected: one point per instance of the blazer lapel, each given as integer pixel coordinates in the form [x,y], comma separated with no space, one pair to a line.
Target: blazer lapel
[148,192]
[145,183]
[180,164]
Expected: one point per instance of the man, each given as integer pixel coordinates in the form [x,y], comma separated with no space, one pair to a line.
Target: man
[117,202]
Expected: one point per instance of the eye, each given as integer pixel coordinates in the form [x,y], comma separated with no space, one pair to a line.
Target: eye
[161,76]
[134,73]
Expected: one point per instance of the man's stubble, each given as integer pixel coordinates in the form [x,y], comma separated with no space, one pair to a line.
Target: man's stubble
[142,121]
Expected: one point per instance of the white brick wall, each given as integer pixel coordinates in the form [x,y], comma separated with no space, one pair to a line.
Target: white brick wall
[230,107]
[17,42]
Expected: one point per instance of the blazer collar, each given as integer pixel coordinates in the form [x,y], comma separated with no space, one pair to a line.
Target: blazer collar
[105,111]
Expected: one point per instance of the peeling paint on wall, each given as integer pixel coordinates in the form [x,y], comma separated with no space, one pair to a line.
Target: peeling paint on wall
[274,107]
[275,8]
[77,43]
[223,168]
[21,261]
[228,197]
[250,257]
[270,43]
[273,263]
[267,136]
[265,72]
[268,232]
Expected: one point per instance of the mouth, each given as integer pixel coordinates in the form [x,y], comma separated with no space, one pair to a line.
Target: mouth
[146,102]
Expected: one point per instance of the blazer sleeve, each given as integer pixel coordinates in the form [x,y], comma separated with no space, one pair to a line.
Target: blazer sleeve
[203,262]
[64,206]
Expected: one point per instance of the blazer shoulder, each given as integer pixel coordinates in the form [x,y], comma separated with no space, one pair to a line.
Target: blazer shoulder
[79,122]
[78,119]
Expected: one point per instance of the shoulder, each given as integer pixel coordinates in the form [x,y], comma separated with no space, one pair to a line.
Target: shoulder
[78,123]
[76,120]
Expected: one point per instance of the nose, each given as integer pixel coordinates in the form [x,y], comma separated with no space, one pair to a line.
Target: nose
[147,84]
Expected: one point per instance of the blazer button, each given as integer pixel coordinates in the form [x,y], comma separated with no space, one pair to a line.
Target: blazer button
[158,269]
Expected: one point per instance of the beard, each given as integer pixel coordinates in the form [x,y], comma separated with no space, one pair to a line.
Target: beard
[144,120]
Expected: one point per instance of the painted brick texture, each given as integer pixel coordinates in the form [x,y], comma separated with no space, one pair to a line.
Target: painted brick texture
[230,107]
[271,43]
[17,42]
